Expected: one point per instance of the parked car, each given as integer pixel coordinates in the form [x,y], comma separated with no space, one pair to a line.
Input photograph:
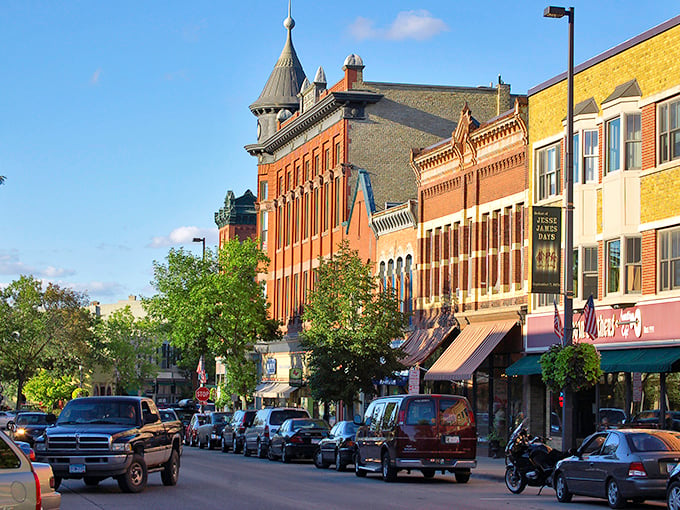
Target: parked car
[5,418]
[423,432]
[51,499]
[191,434]
[19,482]
[611,418]
[619,465]
[168,415]
[265,424]
[232,433]
[650,419]
[338,448]
[210,433]
[297,438]
[30,426]
[26,448]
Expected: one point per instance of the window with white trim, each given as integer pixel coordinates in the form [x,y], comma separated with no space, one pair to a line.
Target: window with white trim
[613,266]
[590,155]
[613,153]
[623,143]
[548,161]
[669,259]
[633,140]
[633,269]
[669,130]
[589,276]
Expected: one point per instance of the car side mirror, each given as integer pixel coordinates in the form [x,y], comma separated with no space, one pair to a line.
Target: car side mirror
[357,419]
[11,426]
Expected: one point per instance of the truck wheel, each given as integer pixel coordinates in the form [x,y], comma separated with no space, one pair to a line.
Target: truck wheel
[134,479]
[201,445]
[90,481]
[225,445]
[389,473]
[246,452]
[234,445]
[170,472]
[462,476]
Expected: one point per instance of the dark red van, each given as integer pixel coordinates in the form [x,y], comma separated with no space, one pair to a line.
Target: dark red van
[429,433]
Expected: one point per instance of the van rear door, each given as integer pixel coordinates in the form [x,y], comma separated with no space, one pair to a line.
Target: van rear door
[419,432]
[458,434]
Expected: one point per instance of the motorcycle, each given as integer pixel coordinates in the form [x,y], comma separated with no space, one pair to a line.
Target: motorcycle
[529,461]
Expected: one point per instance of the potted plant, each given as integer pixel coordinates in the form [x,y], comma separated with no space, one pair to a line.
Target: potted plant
[496,443]
[575,366]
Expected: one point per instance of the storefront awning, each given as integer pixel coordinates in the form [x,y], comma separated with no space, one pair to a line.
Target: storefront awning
[528,365]
[648,360]
[421,343]
[468,351]
[274,390]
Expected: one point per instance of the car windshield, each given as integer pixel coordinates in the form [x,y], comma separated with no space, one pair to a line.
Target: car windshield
[167,415]
[104,412]
[31,419]
[661,441]
[220,417]
[308,424]
[278,417]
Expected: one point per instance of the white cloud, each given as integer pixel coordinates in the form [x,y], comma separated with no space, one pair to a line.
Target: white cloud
[96,287]
[11,265]
[184,235]
[418,25]
[94,79]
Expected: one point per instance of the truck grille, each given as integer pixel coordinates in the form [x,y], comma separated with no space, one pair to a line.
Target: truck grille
[79,442]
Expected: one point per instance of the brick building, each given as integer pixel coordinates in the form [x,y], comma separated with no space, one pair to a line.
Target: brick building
[627,214]
[238,218]
[471,270]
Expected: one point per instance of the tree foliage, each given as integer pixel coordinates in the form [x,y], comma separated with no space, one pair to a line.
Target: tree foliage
[43,328]
[130,346]
[48,389]
[214,305]
[350,328]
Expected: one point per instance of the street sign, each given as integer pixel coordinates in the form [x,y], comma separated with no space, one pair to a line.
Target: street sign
[202,394]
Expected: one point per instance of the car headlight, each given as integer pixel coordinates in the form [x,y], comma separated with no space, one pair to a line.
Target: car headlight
[39,447]
[121,447]
[20,431]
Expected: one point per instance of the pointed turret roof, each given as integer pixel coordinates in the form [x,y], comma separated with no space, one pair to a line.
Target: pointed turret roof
[285,80]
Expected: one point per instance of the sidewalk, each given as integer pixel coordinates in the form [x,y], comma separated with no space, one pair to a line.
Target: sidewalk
[489,468]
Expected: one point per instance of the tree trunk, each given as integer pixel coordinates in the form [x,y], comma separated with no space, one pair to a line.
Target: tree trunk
[20,388]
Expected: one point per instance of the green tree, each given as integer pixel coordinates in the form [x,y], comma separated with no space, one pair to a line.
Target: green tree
[48,388]
[214,305]
[130,345]
[43,328]
[351,326]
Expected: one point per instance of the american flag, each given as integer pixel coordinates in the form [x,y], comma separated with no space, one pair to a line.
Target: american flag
[557,326]
[589,322]
[200,370]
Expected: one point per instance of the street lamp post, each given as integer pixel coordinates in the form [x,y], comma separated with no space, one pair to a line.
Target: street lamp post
[200,240]
[568,438]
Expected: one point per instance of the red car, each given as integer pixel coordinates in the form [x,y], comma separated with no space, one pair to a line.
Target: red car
[191,436]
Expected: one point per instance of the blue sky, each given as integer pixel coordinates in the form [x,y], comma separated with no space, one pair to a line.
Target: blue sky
[122,123]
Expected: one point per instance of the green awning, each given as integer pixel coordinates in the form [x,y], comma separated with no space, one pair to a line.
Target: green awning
[528,365]
[648,360]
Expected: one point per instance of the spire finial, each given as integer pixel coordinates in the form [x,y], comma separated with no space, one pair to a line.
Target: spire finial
[289,22]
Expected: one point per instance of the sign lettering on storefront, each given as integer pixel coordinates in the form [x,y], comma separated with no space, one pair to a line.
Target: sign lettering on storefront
[271,366]
[546,236]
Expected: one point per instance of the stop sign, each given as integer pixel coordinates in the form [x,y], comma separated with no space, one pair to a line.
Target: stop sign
[202,394]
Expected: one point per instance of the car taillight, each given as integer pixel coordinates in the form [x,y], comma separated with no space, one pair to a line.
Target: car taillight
[637,469]
[402,417]
[266,431]
[31,454]
[51,482]
[38,497]
[295,439]
[349,442]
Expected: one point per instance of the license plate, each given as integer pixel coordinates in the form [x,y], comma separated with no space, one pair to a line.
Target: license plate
[76,468]
[452,440]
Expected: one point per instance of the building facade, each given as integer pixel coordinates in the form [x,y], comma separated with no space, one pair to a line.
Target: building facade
[626,218]
[238,218]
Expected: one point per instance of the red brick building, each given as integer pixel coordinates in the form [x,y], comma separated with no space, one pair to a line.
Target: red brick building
[238,218]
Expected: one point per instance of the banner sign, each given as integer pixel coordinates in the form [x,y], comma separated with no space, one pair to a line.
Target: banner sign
[295,377]
[271,366]
[414,380]
[546,237]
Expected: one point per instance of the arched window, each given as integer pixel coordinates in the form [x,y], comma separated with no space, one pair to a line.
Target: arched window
[381,275]
[400,283]
[390,273]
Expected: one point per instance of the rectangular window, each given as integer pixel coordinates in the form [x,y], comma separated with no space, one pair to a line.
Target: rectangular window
[669,131]
[296,223]
[669,259]
[316,165]
[337,154]
[548,160]
[307,175]
[613,145]
[613,265]
[263,190]
[280,191]
[633,265]
[576,158]
[326,206]
[338,203]
[315,213]
[487,236]
[327,154]
[590,155]
[288,222]
[497,222]
[289,180]
[305,216]
[279,226]
[264,220]
[547,299]
[633,139]
[589,281]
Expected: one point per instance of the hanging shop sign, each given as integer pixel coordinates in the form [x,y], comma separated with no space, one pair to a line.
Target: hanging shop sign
[271,366]
[546,237]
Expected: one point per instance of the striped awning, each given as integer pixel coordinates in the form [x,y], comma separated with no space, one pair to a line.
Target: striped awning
[274,390]
[468,351]
[421,343]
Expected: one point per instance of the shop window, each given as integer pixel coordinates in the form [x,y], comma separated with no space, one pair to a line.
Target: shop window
[669,259]
[589,278]
[669,130]
[613,265]
[633,265]
[548,164]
